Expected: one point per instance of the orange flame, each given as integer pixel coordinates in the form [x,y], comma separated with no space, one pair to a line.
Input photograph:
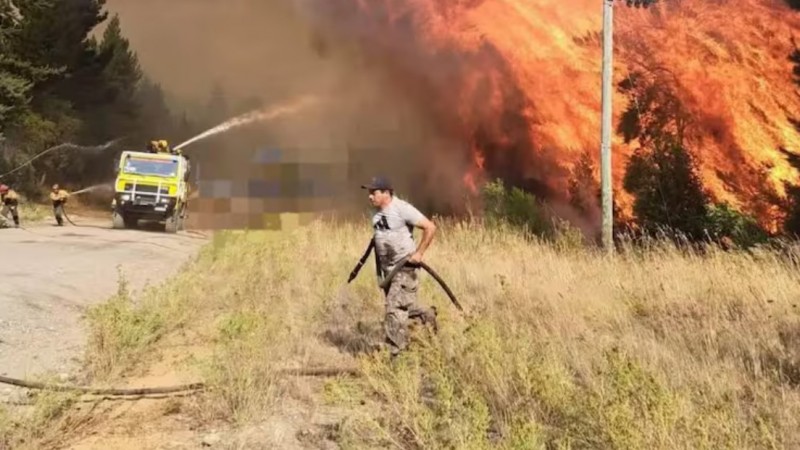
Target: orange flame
[520,80]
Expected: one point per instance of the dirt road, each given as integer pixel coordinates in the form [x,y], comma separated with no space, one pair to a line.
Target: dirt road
[51,274]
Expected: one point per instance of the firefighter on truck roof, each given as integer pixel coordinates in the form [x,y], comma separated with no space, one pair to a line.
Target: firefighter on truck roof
[160,146]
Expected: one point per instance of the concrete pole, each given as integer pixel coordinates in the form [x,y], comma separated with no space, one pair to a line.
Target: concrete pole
[606,124]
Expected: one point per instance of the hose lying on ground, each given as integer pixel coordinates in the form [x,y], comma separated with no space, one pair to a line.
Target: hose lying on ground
[190,234]
[302,372]
[66,216]
[99,391]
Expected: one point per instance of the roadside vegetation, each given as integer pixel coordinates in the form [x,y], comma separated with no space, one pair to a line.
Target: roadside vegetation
[662,346]
[32,212]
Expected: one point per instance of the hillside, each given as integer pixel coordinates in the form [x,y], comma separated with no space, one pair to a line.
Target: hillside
[562,348]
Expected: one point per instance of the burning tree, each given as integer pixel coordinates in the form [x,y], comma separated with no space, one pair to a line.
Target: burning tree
[663,173]
[669,194]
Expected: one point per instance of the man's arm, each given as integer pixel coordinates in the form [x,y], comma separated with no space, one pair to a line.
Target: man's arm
[428,231]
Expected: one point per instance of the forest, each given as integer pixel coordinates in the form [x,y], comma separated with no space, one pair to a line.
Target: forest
[63,82]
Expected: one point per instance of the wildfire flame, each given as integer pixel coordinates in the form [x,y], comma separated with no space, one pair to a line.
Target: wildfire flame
[518,81]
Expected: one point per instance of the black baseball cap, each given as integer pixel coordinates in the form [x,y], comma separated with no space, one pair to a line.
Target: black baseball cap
[379,183]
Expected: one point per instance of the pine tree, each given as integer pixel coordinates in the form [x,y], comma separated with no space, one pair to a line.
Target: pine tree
[56,34]
[14,88]
[18,76]
[669,193]
[59,84]
[661,173]
[155,118]
[653,111]
[118,111]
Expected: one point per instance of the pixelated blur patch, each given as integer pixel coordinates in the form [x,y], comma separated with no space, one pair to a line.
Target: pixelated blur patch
[272,221]
[267,156]
[270,188]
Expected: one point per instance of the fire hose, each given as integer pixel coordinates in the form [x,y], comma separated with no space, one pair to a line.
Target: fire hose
[100,391]
[66,216]
[124,392]
[105,146]
[386,281]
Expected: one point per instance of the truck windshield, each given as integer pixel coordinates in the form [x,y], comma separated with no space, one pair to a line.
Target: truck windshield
[158,167]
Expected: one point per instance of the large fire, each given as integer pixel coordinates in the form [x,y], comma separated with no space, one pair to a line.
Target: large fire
[518,82]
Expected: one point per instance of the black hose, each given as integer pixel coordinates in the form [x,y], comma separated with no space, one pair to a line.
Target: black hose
[187,236]
[109,391]
[64,211]
[307,372]
[361,261]
[384,284]
[404,263]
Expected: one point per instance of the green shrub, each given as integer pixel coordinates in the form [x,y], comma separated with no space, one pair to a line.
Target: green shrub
[515,207]
[119,331]
[522,210]
[726,222]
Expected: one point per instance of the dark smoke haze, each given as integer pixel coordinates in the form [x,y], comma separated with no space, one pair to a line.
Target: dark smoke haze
[277,50]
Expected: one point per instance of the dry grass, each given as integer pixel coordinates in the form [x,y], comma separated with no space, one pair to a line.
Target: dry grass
[39,423]
[29,213]
[35,212]
[563,348]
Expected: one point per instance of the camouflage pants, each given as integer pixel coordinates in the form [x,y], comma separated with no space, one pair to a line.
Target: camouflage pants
[402,306]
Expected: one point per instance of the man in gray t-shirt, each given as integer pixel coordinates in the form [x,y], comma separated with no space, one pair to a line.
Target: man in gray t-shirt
[394,222]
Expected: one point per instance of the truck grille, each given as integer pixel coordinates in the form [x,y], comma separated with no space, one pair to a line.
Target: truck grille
[146,189]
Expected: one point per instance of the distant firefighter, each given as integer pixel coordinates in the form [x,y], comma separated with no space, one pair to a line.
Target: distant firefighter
[59,197]
[10,201]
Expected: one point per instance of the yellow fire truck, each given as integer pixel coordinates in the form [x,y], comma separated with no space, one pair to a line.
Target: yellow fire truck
[151,185]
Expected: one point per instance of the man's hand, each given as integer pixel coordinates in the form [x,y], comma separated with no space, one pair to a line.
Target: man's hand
[416,258]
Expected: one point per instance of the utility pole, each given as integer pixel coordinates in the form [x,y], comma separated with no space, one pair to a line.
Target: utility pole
[606,123]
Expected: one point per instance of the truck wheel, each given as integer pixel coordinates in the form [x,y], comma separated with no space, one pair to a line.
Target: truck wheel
[182,219]
[131,222]
[171,226]
[117,221]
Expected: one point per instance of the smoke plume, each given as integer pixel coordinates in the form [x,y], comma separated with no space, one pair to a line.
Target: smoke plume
[441,93]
